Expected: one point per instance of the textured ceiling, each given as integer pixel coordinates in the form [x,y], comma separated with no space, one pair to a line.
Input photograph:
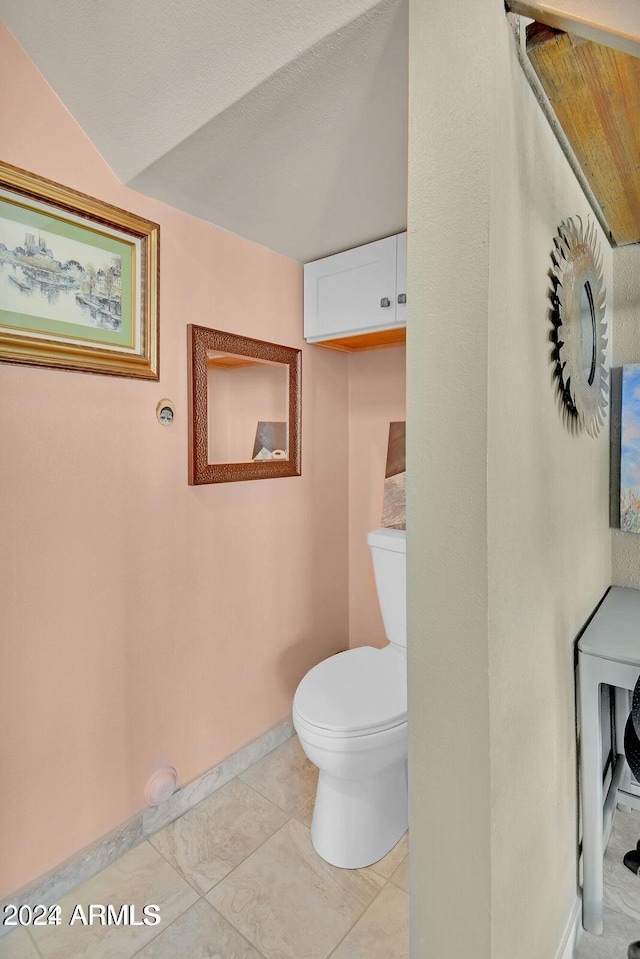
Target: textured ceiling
[285,122]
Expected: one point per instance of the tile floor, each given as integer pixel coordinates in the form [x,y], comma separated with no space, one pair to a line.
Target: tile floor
[238,878]
[621,896]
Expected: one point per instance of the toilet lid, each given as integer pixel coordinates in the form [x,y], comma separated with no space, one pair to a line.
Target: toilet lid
[359,691]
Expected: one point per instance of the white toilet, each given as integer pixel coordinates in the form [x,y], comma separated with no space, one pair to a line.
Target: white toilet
[350,713]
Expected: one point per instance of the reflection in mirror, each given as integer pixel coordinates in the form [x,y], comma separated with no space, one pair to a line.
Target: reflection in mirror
[244,407]
[588,332]
[247,401]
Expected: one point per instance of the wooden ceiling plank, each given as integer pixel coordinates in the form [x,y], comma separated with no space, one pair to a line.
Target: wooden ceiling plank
[594,91]
[560,74]
[617,102]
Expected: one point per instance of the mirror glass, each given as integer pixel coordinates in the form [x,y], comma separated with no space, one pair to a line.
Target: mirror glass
[588,332]
[248,404]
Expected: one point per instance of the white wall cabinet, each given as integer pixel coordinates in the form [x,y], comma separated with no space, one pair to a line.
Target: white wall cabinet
[401,279]
[356,299]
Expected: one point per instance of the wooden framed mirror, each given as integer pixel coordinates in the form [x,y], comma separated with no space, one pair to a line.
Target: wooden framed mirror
[244,408]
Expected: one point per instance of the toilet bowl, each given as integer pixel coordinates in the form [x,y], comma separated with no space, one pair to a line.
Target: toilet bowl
[350,714]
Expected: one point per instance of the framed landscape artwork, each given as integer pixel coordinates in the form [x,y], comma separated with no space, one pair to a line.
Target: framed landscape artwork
[394,505]
[630,450]
[78,280]
[271,441]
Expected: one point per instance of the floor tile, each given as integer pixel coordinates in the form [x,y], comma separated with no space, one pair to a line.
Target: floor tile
[286,777]
[387,866]
[401,875]
[621,886]
[289,902]
[305,815]
[619,931]
[383,931]
[140,877]
[199,933]
[208,842]
[17,945]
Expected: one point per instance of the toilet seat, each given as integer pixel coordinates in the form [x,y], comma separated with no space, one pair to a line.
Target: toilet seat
[355,693]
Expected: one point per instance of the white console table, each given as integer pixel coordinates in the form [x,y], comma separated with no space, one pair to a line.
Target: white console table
[609,652]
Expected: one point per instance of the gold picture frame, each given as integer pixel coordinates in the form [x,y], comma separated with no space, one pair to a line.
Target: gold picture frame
[79,280]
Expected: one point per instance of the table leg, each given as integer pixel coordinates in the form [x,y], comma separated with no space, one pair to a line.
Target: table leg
[591,793]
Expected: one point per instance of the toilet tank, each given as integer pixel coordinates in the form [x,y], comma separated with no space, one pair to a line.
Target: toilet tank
[388,548]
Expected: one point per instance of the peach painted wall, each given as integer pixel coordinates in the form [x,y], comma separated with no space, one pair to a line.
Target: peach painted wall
[144,621]
[377,383]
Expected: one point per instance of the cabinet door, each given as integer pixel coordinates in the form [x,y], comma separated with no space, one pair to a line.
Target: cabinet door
[401,280]
[348,292]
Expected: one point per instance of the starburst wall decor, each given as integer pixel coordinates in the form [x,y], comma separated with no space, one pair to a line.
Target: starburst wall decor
[579,328]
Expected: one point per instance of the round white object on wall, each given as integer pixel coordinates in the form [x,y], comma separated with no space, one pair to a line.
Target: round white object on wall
[160,786]
[165,411]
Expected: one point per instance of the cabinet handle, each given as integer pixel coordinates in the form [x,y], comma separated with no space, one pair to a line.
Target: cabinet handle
[385,301]
[402,297]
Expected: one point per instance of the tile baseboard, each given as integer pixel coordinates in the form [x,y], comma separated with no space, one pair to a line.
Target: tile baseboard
[49,888]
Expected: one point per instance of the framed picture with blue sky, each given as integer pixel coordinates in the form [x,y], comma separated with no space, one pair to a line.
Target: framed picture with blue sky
[630,450]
